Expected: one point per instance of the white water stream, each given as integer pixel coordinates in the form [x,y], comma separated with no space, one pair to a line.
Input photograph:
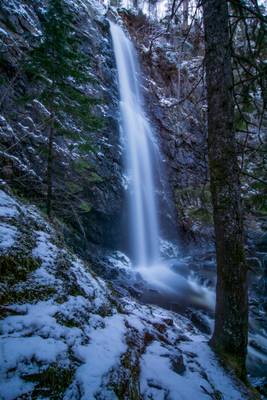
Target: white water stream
[140,155]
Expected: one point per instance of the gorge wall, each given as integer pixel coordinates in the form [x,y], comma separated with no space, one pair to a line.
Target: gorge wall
[172,65]
[88,187]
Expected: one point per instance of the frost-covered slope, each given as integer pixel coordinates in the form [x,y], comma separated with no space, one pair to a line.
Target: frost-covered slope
[66,334]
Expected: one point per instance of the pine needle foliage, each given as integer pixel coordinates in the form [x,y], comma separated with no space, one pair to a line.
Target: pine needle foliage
[60,69]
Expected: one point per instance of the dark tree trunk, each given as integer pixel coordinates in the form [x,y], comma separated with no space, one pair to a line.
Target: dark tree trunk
[135,4]
[231,320]
[185,14]
[50,168]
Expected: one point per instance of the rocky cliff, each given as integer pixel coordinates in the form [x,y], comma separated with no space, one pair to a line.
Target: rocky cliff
[87,184]
[79,336]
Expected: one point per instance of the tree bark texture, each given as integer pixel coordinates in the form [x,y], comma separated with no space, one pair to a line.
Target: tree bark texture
[50,168]
[231,316]
[185,14]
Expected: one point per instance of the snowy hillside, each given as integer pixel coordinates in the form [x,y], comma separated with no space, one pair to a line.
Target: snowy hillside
[66,334]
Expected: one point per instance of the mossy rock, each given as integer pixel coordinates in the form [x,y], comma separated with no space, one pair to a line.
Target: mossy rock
[75,290]
[201,214]
[127,387]
[15,268]
[195,203]
[68,322]
[30,295]
[51,383]
[6,312]
[194,195]
[104,311]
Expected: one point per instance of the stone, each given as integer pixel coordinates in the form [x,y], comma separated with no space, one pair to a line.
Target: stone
[261,244]
[178,365]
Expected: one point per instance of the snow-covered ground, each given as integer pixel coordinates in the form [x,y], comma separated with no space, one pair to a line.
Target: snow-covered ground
[66,334]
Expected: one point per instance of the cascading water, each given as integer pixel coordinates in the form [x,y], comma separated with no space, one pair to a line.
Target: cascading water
[140,155]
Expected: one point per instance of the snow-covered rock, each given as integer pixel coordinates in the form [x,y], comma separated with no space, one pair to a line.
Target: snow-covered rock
[66,334]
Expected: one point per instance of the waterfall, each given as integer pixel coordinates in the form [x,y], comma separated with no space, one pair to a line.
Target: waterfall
[140,155]
[171,280]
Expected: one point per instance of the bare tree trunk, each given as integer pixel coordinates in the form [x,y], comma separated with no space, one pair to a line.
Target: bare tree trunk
[135,4]
[185,14]
[231,317]
[50,168]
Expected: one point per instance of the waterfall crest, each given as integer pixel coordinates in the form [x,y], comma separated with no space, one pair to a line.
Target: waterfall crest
[140,155]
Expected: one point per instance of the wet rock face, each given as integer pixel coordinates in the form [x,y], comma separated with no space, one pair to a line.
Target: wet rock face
[23,137]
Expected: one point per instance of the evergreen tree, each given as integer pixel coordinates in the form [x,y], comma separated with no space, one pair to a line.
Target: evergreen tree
[61,68]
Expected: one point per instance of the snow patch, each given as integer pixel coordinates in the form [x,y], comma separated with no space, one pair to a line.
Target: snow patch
[8,207]
[11,388]
[8,235]
[18,350]
[103,352]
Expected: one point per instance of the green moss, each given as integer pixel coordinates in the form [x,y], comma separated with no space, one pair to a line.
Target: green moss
[80,165]
[201,214]
[240,123]
[257,202]
[73,187]
[68,322]
[16,267]
[75,291]
[6,312]
[132,392]
[194,203]
[85,147]
[128,386]
[104,311]
[85,207]
[51,383]
[193,195]
[30,295]
[61,299]
[94,178]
